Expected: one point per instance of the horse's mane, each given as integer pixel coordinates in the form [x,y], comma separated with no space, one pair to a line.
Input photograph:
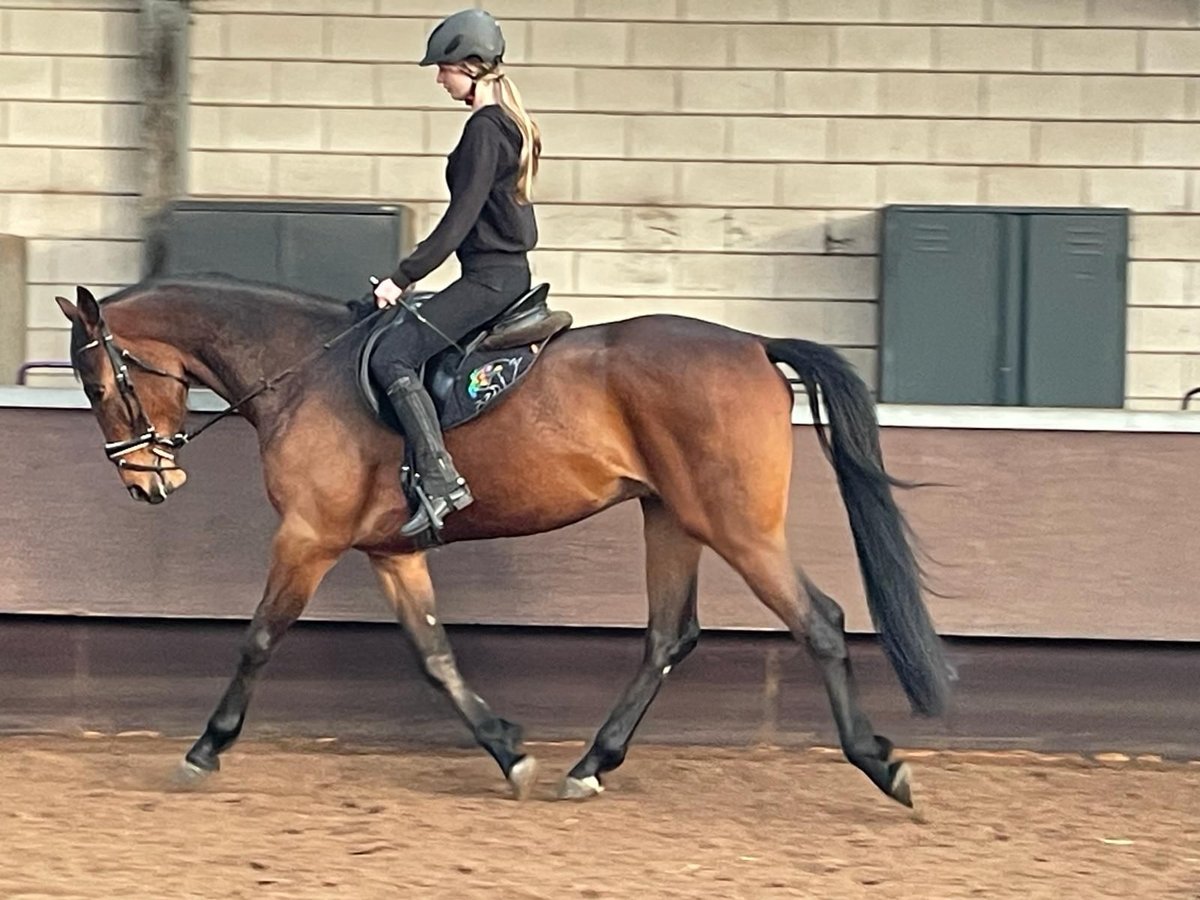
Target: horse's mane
[229,294]
[238,306]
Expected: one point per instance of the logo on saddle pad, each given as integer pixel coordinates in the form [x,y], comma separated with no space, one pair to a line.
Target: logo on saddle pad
[487,382]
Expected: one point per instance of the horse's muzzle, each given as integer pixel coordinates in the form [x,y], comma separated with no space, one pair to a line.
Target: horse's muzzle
[157,487]
[154,496]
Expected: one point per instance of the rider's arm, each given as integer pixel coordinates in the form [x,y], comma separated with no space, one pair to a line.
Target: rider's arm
[471,177]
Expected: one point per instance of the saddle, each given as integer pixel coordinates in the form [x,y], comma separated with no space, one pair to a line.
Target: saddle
[493,360]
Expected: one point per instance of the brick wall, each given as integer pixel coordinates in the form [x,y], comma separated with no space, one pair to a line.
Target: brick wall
[68,133]
[725,159]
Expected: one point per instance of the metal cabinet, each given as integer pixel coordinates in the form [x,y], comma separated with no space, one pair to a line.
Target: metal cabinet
[1003,306]
[321,248]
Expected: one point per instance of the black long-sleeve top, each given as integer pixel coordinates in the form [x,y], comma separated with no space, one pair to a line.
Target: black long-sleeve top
[484,216]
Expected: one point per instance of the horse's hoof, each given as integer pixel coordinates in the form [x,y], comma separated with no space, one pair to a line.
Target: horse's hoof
[522,777]
[188,776]
[884,747]
[901,787]
[579,788]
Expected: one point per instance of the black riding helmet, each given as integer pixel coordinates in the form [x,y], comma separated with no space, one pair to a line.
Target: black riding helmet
[465,34]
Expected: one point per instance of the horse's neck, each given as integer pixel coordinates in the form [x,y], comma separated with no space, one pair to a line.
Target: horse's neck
[230,355]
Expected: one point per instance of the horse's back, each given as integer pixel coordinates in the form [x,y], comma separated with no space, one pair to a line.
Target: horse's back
[666,350]
[657,327]
[662,373]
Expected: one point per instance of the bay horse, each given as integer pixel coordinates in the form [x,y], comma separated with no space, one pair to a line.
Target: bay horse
[689,418]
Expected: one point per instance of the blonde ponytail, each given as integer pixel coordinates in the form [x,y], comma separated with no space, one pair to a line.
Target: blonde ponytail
[509,99]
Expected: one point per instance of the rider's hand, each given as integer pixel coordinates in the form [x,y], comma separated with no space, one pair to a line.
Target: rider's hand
[387,293]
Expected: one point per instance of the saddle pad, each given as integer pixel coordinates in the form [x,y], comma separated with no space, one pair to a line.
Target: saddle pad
[460,392]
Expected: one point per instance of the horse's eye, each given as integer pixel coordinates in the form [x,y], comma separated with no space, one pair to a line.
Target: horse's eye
[95,392]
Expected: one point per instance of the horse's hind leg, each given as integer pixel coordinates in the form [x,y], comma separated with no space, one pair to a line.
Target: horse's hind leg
[297,566]
[672,563]
[816,619]
[405,580]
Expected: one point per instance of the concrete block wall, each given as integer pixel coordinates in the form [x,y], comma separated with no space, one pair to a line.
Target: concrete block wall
[727,159]
[68,157]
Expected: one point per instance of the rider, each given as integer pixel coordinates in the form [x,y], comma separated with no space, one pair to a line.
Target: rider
[489,224]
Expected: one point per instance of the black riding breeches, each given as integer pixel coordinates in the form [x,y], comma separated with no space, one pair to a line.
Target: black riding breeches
[475,298]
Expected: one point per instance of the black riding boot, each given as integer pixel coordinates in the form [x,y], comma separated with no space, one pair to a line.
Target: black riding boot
[441,489]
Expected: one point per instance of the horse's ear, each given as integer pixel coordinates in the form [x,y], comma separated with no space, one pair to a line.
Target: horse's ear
[89,309]
[69,309]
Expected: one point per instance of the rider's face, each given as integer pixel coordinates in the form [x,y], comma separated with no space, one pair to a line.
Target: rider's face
[456,82]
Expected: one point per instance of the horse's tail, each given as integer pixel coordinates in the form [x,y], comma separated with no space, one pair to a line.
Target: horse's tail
[889,568]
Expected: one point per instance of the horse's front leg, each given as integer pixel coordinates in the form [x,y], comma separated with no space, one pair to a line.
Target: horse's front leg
[405,581]
[298,563]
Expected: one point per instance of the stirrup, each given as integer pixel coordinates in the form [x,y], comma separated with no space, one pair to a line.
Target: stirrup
[432,512]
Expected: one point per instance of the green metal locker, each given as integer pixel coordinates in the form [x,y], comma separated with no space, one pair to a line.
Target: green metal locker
[943,330]
[1002,306]
[1075,311]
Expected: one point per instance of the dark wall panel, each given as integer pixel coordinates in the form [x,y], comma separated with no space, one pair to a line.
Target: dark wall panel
[1042,534]
[321,248]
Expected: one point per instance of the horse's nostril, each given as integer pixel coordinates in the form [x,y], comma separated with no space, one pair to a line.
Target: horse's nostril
[138,493]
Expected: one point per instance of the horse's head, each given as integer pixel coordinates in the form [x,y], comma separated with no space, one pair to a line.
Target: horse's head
[138,392]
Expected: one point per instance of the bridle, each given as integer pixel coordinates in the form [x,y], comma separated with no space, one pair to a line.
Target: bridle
[146,435]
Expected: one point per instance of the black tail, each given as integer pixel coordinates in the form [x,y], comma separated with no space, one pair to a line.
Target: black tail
[889,568]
